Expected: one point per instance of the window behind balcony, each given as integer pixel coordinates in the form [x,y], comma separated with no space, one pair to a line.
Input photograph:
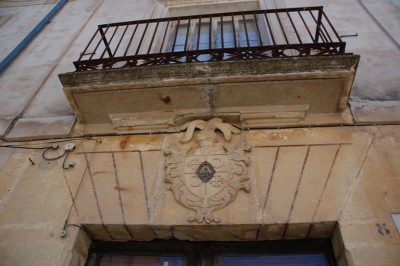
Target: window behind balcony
[248,33]
[217,34]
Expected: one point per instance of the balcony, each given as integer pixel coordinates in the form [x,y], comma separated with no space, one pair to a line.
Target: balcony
[256,69]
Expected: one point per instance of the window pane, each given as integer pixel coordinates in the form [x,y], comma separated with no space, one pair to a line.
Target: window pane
[180,39]
[204,42]
[117,260]
[290,260]
[251,33]
[229,39]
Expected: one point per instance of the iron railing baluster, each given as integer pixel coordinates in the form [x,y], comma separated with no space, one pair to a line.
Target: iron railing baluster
[88,45]
[107,47]
[165,35]
[187,35]
[306,26]
[234,31]
[260,42]
[294,27]
[120,40]
[210,34]
[222,32]
[270,29]
[245,30]
[176,36]
[317,31]
[141,39]
[198,35]
[130,40]
[282,28]
[332,28]
[152,37]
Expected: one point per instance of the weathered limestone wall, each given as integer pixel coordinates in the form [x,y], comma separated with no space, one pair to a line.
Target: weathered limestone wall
[304,183]
[337,182]
[32,96]
[375,95]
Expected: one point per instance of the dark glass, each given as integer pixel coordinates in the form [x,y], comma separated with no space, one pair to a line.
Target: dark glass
[120,260]
[288,260]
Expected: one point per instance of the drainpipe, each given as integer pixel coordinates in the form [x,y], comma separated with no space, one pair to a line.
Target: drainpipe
[21,46]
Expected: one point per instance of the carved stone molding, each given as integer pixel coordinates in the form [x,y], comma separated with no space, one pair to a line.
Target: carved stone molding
[207,178]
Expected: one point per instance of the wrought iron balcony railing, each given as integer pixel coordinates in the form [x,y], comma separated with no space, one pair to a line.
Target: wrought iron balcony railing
[305,31]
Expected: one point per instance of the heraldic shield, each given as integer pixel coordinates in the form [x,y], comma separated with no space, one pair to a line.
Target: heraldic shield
[207,178]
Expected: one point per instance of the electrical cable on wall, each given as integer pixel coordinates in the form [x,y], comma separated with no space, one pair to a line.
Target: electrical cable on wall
[63,231]
[47,150]
[67,149]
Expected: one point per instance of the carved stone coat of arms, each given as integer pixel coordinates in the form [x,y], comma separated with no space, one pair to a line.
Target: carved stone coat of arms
[207,178]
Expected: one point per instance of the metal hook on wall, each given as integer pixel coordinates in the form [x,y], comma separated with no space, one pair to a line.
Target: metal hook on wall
[349,35]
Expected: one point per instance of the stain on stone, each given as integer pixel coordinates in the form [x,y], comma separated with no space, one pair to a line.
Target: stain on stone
[124,143]
[166,99]
[101,172]
[274,137]
[122,204]
[120,188]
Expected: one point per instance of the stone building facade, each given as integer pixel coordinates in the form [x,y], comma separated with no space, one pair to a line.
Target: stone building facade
[279,149]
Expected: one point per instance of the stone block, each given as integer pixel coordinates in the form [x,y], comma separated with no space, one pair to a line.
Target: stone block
[263,162]
[369,199]
[316,173]
[376,112]
[167,211]
[5,122]
[18,87]
[40,128]
[375,232]
[271,231]
[297,231]
[341,255]
[344,173]
[163,231]
[144,232]
[119,232]
[27,246]
[322,230]
[215,232]
[33,196]
[8,175]
[133,198]
[152,167]
[86,206]
[387,255]
[78,253]
[97,231]
[146,142]
[284,184]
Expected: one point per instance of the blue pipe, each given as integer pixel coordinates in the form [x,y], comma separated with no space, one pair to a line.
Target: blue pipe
[14,53]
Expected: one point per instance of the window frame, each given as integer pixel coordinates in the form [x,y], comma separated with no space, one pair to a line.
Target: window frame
[200,253]
[192,34]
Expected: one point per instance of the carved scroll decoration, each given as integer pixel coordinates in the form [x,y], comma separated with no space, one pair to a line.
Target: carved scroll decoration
[207,178]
